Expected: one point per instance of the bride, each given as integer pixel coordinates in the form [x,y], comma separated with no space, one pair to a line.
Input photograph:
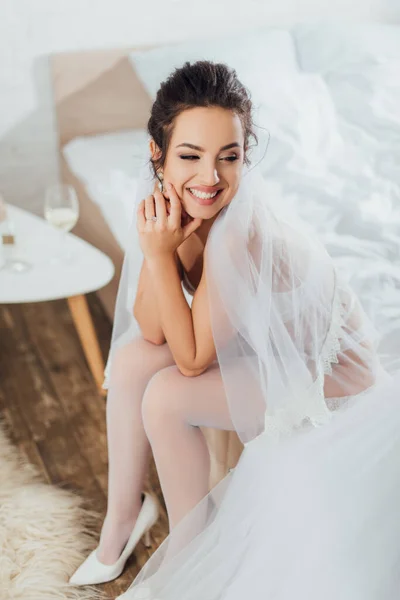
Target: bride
[274,346]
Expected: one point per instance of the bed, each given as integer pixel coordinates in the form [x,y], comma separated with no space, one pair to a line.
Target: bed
[329,96]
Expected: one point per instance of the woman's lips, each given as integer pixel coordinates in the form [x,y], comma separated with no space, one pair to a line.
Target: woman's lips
[205,201]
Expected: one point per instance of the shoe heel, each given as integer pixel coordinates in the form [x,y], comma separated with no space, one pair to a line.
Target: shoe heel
[147,539]
[93,572]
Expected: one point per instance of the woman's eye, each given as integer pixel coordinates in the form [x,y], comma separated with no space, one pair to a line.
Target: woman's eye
[193,157]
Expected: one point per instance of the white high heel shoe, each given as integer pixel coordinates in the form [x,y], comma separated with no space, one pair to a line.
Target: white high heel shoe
[92,571]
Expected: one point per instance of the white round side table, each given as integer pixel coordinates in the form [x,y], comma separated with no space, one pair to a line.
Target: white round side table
[87,270]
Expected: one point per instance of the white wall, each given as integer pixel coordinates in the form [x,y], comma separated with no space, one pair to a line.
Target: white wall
[30,31]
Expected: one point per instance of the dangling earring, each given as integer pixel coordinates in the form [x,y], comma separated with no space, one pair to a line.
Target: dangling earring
[160,177]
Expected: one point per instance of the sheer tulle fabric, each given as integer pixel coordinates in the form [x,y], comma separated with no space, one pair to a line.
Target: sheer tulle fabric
[312,516]
[311,402]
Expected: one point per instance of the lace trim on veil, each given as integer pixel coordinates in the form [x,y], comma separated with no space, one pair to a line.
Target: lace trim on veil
[331,347]
[313,407]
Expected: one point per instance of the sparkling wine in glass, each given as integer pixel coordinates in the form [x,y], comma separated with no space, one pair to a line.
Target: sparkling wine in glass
[61,210]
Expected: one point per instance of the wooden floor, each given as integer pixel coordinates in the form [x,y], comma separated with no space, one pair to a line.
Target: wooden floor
[56,417]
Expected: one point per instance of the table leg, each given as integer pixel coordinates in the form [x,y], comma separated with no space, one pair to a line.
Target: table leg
[87,335]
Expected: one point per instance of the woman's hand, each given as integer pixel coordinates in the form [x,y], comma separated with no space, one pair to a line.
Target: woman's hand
[163,236]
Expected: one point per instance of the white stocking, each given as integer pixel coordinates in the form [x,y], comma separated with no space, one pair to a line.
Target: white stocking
[133,366]
[173,408]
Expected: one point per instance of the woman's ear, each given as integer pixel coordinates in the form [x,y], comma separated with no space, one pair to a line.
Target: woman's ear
[154,150]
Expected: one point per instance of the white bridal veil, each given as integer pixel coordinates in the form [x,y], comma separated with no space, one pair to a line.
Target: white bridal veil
[292,340]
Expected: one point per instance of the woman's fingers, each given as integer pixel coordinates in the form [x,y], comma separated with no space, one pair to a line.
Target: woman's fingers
[175,206]
[166,210]
[141,218]
[161,210]
[149,207]
[155,206]
[178,216]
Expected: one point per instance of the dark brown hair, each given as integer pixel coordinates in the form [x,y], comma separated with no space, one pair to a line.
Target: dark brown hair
[203,83]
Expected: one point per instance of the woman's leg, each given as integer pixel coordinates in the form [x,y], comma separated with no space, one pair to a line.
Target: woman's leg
[173,408]
[128,447]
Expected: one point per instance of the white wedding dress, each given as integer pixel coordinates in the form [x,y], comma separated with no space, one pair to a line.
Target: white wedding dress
[312,509]
[309,515]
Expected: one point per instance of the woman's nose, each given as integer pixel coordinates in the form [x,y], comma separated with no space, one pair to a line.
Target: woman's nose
[209,175]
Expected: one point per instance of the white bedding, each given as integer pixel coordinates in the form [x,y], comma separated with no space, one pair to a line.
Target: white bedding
[330,97]
[108,165]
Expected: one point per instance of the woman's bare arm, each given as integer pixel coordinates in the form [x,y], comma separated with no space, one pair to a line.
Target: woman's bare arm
[187,330]
[145,309]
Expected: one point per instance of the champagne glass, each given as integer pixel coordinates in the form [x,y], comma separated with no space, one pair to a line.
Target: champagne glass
[61,209]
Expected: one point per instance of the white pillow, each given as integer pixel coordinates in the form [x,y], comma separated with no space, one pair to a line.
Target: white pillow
[108,165]
[258,56]
[360,65]
[327,47]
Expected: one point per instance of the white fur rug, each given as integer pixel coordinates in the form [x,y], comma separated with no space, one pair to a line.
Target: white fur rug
[44,533]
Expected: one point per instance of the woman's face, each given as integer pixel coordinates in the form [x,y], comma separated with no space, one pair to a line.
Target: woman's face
[205,159]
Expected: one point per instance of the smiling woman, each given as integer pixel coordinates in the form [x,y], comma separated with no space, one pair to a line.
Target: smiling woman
[198,187]
[211,177]
[200,129]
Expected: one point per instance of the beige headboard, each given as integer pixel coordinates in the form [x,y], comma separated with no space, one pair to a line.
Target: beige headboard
[96,92]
